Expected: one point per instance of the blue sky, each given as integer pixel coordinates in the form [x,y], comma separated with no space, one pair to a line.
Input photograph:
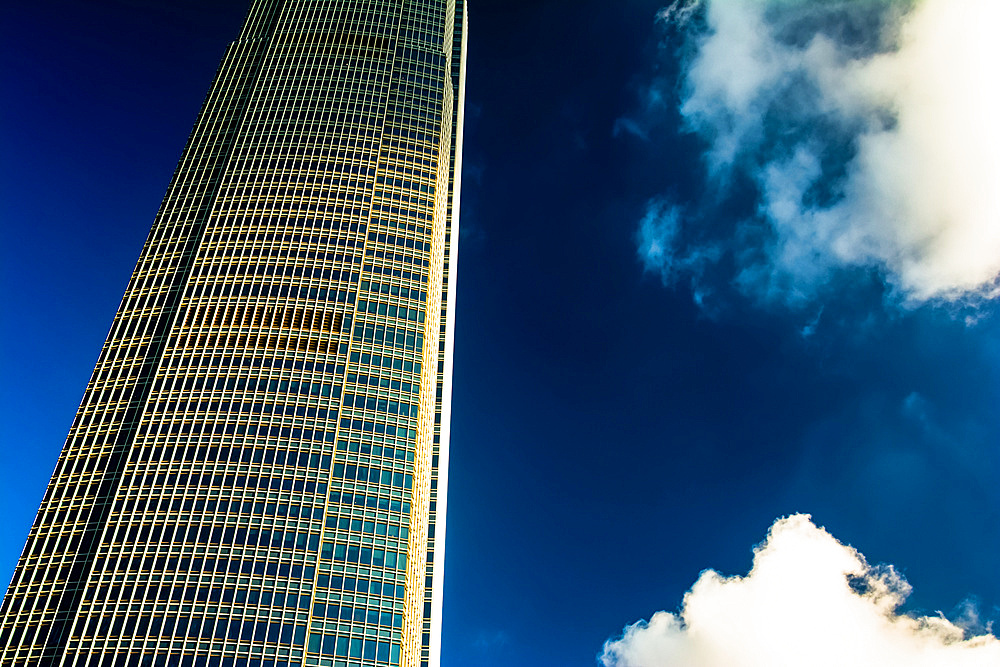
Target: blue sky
[621,421]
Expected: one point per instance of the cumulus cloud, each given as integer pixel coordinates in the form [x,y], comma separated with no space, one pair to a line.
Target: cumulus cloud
[868,133]
[808,600]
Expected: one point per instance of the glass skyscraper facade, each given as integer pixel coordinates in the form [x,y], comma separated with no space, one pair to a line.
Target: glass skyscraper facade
[256,475]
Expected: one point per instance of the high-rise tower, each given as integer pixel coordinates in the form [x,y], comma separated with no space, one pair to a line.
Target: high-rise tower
[256,475]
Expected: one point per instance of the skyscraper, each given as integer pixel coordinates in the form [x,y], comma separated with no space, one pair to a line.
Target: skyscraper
[256,475]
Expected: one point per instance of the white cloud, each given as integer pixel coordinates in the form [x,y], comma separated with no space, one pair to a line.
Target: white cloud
[869,130]
[808,601]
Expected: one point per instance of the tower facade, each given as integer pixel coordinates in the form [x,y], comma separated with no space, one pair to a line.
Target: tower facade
[256,475]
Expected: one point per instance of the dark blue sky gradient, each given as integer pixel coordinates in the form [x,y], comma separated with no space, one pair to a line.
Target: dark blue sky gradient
[610,440]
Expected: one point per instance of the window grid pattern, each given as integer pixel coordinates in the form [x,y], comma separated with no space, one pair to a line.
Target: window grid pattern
[252,476]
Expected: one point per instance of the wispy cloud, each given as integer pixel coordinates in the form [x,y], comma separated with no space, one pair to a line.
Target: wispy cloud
[666,249]
[491,641]
[867,133]
[808,600]
[625,125]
